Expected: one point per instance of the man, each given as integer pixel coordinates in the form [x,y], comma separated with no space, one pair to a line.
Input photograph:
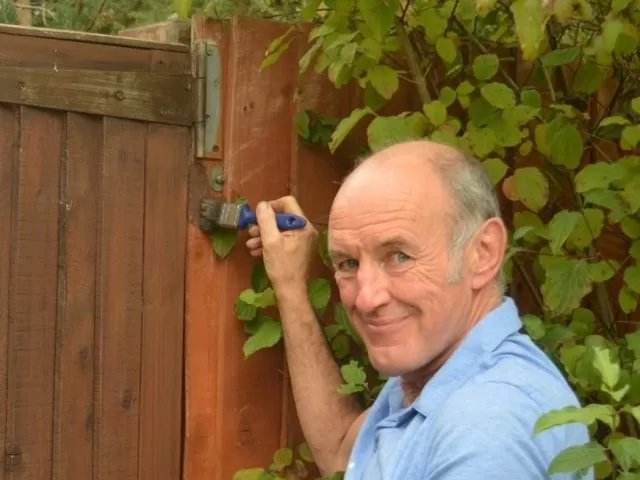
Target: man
[417,244]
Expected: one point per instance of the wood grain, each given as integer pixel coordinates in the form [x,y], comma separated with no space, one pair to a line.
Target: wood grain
[73,421]
[33,296]
[163,296]
[119,298]
[152,97]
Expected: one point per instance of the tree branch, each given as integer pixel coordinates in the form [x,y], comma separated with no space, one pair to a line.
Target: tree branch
[414,64]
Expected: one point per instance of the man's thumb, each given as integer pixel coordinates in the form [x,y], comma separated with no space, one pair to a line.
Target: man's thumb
[267,222]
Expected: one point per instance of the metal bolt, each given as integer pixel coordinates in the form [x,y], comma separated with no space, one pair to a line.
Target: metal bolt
[187,85]
[216,82]
[163,111]
[120,95]
[216,148]
[21,86]
[219,179]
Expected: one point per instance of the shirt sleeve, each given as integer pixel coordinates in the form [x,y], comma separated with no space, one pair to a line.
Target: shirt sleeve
[486,432]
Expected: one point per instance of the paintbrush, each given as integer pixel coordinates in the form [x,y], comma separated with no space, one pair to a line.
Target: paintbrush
[217,214]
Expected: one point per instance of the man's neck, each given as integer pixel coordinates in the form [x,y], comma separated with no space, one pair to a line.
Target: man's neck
[413,383]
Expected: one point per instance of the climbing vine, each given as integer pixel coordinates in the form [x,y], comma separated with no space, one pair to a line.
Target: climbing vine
[547,94]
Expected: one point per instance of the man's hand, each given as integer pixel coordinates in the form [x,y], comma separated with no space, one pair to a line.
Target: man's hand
[287,255]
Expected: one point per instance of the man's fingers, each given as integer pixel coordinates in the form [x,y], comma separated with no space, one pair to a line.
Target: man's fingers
[286,204]
[267,222]
[254,243]
[254,231]
[255,253]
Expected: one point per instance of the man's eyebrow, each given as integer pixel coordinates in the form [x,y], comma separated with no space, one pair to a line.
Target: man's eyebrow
[393,242]
[333,253]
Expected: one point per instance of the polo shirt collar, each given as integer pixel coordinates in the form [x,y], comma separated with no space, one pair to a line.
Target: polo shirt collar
[484,337]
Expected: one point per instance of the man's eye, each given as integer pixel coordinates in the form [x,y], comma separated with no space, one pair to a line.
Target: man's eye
[347,265]
[401,257]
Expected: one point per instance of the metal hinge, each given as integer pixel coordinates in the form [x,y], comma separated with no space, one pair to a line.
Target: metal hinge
[12,457]
[208,73]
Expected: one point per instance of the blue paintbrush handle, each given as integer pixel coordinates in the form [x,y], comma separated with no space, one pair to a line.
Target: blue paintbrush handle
[285,221]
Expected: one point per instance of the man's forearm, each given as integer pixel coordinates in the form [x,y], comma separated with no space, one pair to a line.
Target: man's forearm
[325,415]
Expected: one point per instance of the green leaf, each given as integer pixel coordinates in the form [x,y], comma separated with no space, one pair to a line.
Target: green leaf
[384,79]
[495,168]
[627,300]
[560,56]
[588,228]
[340,346]
[346,125]
[608,368]
[560,227]
[630,136]
[598,175]
[446,49]
[276,48]
[530,20]
[465,88]
[259,278]
[305,452]
[434,25]
[378,15]
[589,78]
[309,10]
[626,450]
[520,114]
[268,334]
[531,187]
[634,249]
[436,112]
[385,131]
[447,96]
[264,299]
[635,105]
[583,322]
[531,98]
[249,474]
[617,6]
[632,278]
[534,326]
[182,8]
[319,291]
[498,95]
[630,227]
[223,241]
[587,415]
[567,281]
[282,458]
[577,457]
[245,311]
[485,66]
[602,271]
[353,373]
[565,143]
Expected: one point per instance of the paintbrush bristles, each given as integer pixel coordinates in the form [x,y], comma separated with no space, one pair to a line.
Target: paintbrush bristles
[228,215]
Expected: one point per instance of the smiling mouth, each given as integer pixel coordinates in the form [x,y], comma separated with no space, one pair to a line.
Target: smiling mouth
[377,326]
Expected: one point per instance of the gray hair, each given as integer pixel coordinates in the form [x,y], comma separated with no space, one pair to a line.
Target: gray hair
[474,201]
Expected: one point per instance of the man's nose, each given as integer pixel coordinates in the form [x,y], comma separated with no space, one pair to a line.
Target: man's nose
[373,288]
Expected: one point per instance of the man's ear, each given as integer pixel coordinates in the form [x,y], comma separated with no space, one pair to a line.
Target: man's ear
[487,252]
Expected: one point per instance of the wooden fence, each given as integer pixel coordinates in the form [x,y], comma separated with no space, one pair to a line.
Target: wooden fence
[107,146]
[94,154]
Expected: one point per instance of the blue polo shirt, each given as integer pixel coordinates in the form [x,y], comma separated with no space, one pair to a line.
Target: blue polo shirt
[474,419]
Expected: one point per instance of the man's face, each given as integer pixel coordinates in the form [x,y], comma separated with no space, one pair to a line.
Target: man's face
[390,249]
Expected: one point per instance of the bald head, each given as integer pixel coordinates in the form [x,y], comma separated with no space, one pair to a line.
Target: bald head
[447,179]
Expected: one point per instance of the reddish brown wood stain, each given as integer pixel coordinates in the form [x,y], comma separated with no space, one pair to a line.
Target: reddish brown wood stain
[92,246]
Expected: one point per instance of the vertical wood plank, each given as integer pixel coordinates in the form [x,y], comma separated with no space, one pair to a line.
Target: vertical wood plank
[33,296]
[163,311]
[257,162]
[8,154]
[73,422]
[236,422]
[119,298]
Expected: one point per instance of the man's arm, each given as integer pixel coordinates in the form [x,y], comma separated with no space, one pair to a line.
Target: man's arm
[330,421]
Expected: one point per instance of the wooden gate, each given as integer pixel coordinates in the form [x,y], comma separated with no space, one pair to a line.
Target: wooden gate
[94,154]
